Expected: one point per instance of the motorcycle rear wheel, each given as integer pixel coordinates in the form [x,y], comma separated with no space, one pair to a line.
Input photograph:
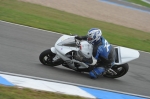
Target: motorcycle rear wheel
[46,58]
[120,69]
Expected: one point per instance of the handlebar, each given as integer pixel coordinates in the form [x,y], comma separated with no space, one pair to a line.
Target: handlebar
[77,42]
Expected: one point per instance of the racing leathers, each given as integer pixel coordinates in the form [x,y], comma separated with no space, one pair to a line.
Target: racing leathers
[104,53]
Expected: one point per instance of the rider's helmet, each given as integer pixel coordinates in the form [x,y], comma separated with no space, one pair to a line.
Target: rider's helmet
[94,35]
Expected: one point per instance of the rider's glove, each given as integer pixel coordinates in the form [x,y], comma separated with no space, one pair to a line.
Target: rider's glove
[76,57]
[78,37]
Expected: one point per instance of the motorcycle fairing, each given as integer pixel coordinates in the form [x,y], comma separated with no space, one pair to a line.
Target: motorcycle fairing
[61,47]
[125,55]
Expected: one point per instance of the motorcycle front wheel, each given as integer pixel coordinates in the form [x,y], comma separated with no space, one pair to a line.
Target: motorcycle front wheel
[46,58]
[121,70]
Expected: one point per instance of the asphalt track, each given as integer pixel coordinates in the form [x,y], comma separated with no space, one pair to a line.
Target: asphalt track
[126,4]
[19,52]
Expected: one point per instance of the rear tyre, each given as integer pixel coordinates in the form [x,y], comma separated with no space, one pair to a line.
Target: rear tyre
[46,58]
[121,70]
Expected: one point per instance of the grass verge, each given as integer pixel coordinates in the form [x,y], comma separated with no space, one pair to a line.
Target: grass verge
[63,22]
[25,93]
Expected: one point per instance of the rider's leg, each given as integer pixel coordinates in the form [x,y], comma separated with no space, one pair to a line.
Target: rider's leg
[96,72]
[99,69]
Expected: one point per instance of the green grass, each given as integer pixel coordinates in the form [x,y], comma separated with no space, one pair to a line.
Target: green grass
[140,2]
[63,22]
[25,93]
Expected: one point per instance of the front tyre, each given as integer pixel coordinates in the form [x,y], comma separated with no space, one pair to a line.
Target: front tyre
[46,58]
[121,70]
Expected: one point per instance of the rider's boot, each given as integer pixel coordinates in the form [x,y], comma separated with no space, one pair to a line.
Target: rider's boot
[96,72]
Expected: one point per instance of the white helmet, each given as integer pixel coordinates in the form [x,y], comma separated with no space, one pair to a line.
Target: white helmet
[94,35]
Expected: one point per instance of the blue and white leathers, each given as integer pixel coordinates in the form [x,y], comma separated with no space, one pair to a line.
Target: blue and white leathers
[105,56]
[102,50]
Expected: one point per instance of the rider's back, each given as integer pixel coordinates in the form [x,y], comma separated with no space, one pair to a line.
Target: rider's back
[104,52]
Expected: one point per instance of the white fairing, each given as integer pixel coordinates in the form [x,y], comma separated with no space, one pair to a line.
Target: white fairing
[126,54]
[67,44]
[86,49]
[53,49]
[65,39]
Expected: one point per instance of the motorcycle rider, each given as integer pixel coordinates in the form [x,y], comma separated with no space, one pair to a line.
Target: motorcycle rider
[103,52]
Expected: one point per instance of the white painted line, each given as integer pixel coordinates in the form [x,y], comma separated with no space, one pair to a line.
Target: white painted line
[30,27]
[122,5]
[146,1]
[56,81]
[50,31]
[46,86]
[131,3]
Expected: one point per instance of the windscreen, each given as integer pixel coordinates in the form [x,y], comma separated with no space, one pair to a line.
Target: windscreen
[67,42]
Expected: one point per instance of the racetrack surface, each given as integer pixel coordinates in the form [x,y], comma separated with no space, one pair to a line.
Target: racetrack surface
[127,4]
[20,48]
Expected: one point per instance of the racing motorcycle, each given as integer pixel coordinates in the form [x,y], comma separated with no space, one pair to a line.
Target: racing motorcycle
[66,47]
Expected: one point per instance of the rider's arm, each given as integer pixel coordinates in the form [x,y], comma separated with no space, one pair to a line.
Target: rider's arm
[94,61]
[83,59]
[81,37]
[84,37]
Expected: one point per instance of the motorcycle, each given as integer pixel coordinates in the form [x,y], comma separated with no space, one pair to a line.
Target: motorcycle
[66,47]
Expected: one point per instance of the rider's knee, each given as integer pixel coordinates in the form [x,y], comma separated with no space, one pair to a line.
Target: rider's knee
[96,72]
